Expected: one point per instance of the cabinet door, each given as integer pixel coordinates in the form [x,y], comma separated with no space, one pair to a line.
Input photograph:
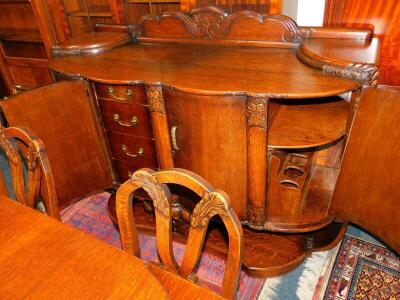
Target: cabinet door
[367,192]
[63,116]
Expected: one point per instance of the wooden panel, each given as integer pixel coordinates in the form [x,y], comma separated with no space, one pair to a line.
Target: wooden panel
[383,17]
[17,15]
[211,137]
[30,76]
[213,24]
[367,191]
[17,49]
[72,138]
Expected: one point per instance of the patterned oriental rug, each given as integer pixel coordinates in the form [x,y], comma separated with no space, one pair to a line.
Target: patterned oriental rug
[355,269]
[360,270]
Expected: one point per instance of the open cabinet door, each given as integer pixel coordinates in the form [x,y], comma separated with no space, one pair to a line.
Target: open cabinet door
[64,117]
[367,192]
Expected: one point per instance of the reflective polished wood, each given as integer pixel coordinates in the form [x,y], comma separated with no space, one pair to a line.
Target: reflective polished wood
[236,92]
[43,258]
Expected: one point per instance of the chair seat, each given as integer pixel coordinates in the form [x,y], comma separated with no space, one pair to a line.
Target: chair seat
[91,216]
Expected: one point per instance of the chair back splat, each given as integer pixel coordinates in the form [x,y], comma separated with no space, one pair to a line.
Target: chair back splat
[213,202]
[17,142]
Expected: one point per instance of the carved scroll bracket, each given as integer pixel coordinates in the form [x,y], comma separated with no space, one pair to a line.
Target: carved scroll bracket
[367,74]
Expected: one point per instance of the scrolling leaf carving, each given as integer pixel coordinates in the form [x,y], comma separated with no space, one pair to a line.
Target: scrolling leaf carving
[210,205]
[156,193]
[213,23]
[366,73]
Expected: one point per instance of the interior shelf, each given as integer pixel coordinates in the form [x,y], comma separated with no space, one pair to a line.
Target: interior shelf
[300,124]
[313,212]
[20,35]
[100,11]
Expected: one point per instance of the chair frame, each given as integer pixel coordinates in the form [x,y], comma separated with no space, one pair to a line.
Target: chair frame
[20,140]
[213,202]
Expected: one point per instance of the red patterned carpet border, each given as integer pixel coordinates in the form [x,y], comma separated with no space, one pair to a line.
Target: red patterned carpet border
[363,270]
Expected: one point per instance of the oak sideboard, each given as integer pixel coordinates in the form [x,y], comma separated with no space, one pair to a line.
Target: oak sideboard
[260,107]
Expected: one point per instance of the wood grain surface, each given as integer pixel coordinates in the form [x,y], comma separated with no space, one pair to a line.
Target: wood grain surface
[383,17]
[43,258]
[77,154]
[367,190]
[275,72]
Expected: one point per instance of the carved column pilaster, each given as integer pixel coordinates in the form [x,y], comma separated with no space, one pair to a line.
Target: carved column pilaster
[155,98]
[257,145]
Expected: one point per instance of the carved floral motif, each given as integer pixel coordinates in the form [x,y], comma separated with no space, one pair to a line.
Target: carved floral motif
[208,24]
[155,98]
[257,112]
[156,193]
[210,205]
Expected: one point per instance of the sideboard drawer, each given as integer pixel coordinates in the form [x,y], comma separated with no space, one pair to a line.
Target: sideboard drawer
[122,93]
[132,149]
[125,169]
[126,118]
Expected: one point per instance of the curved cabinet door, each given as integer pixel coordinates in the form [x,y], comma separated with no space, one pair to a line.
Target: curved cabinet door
[367,192]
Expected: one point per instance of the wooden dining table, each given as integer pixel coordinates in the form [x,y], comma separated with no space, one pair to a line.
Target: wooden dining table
[41,257]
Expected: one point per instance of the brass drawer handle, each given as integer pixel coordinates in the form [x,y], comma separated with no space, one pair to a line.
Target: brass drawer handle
[124,149]
[173,138]
[128,94]
[132,122]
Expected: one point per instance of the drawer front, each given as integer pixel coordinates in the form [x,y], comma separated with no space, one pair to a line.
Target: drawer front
[132,149]
[126,118]
[122,93]
[125,169]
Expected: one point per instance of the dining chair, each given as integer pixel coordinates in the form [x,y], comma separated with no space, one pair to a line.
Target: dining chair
[213,202]
[23,148]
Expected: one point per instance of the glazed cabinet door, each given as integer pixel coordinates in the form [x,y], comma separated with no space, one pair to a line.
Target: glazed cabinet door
[367,192]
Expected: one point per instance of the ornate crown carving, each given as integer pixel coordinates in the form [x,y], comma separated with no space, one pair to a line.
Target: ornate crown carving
[213,23]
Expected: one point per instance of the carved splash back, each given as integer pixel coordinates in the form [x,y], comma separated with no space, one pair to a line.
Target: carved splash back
[213,25]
